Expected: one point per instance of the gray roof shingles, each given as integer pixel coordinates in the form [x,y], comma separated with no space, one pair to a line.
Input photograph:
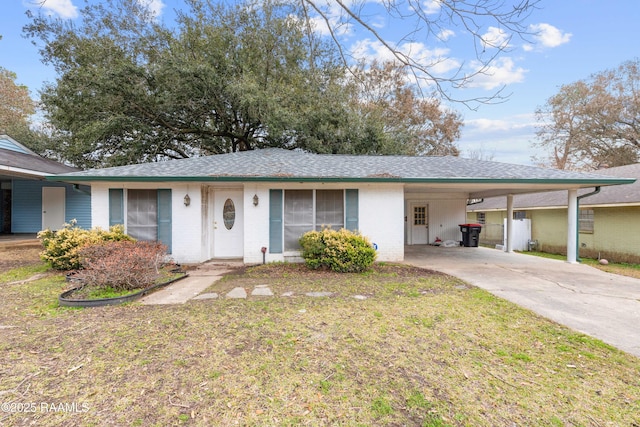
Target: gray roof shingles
[32,162]
[609,195]
[285,164]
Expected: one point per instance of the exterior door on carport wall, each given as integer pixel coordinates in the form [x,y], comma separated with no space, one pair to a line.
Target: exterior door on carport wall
[228,224]
[53,202]
[419,225]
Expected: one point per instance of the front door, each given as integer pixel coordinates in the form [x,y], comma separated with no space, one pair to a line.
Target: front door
[53,215]
[228,227]
[419,224]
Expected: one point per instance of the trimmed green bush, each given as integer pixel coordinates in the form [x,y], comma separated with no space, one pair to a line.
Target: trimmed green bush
[61,247]
[342,251]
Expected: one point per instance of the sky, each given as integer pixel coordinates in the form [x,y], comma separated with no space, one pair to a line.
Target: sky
[571,40]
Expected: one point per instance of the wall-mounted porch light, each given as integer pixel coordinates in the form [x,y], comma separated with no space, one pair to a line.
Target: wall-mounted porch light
[187,200]
[255,200]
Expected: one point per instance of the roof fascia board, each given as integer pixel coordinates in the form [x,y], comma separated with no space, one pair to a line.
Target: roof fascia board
[542,208]
[569,181]
[24,172]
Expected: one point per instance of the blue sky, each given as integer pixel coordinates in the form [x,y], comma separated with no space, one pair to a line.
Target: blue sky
[576,38]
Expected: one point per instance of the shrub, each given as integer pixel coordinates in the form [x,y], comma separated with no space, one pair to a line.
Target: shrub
[61,247]
[122,265]
[342,251]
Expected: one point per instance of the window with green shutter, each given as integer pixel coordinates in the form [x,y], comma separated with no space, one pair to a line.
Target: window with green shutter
[294,212]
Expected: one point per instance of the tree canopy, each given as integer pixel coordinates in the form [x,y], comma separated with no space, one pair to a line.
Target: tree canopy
[593,122]
[16,106]
[223,78]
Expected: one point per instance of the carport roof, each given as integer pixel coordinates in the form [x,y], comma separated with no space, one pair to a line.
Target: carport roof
[628,195]
[478,178]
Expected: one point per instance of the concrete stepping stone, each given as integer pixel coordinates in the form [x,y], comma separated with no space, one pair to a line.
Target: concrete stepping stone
[319,294]
[237,293]
[287,294]
[208,295]
[262,291]
[360,297]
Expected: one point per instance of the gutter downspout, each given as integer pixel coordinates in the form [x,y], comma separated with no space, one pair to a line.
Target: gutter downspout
[596,191]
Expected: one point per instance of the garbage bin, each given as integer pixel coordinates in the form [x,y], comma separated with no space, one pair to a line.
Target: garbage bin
[470,234]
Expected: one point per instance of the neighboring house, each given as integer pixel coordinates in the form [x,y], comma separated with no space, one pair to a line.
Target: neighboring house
[608,221]
[29,203]
[234,205]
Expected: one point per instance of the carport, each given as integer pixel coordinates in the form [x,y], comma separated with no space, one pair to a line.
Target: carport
[603,305]
[495,179]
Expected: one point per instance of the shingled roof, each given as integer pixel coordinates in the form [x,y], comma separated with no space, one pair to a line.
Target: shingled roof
[278,164]
[625,195]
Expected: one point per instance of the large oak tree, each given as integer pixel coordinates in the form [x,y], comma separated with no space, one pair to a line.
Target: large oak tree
[593,122]
[223,78]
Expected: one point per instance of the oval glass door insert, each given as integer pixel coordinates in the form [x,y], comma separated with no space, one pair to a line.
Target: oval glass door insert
[229,214]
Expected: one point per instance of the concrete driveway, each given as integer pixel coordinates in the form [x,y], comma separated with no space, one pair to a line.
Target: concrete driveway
[602,305]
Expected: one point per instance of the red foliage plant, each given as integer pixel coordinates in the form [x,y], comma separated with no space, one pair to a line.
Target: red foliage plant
[122,265]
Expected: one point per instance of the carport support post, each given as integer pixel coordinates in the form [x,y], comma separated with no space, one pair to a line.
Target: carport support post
[572,227]
[510,223]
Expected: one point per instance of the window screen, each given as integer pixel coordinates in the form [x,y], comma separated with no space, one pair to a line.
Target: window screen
[142,214]
[329,209]
[306,210]
[585,220]
[298,216]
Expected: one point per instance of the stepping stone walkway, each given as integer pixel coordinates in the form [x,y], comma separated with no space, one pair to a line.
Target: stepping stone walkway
[319,294]
[262,291]
[265,291]
[237,293]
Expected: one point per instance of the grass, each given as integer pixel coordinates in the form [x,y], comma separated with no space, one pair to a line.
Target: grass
[621,268]
[424,349]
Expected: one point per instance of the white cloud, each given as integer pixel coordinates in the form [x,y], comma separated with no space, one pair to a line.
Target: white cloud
[547,36]
[154,6]
[445,35]
[507,139]
[431,7]
[437,60]
[495,38]
[502,71]
[63,8]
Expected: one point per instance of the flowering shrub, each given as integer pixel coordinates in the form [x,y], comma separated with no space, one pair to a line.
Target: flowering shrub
[342,251]
[122,265]
[61,247]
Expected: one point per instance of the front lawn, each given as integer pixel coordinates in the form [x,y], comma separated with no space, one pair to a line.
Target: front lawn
[423,349]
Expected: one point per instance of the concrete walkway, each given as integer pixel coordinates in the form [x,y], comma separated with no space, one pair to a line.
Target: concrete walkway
[602,305]
[198,280]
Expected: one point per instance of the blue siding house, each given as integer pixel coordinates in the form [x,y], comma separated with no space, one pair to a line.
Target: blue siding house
[29,203]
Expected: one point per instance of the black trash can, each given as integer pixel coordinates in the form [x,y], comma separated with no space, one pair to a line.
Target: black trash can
[470,234]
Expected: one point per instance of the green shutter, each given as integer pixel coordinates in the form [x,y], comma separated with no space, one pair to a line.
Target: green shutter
[164,218]
[116,206]
[275,221]
[351,209]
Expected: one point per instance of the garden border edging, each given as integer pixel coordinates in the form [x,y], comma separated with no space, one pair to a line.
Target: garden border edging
[64,301]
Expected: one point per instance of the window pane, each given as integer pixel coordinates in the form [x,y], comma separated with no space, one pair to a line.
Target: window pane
[329,209]
[142,210]
[585,220]
[420,215]
[298,216]
[480,218]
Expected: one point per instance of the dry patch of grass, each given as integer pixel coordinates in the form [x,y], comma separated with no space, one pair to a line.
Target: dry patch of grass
[424,349]
[620,268]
